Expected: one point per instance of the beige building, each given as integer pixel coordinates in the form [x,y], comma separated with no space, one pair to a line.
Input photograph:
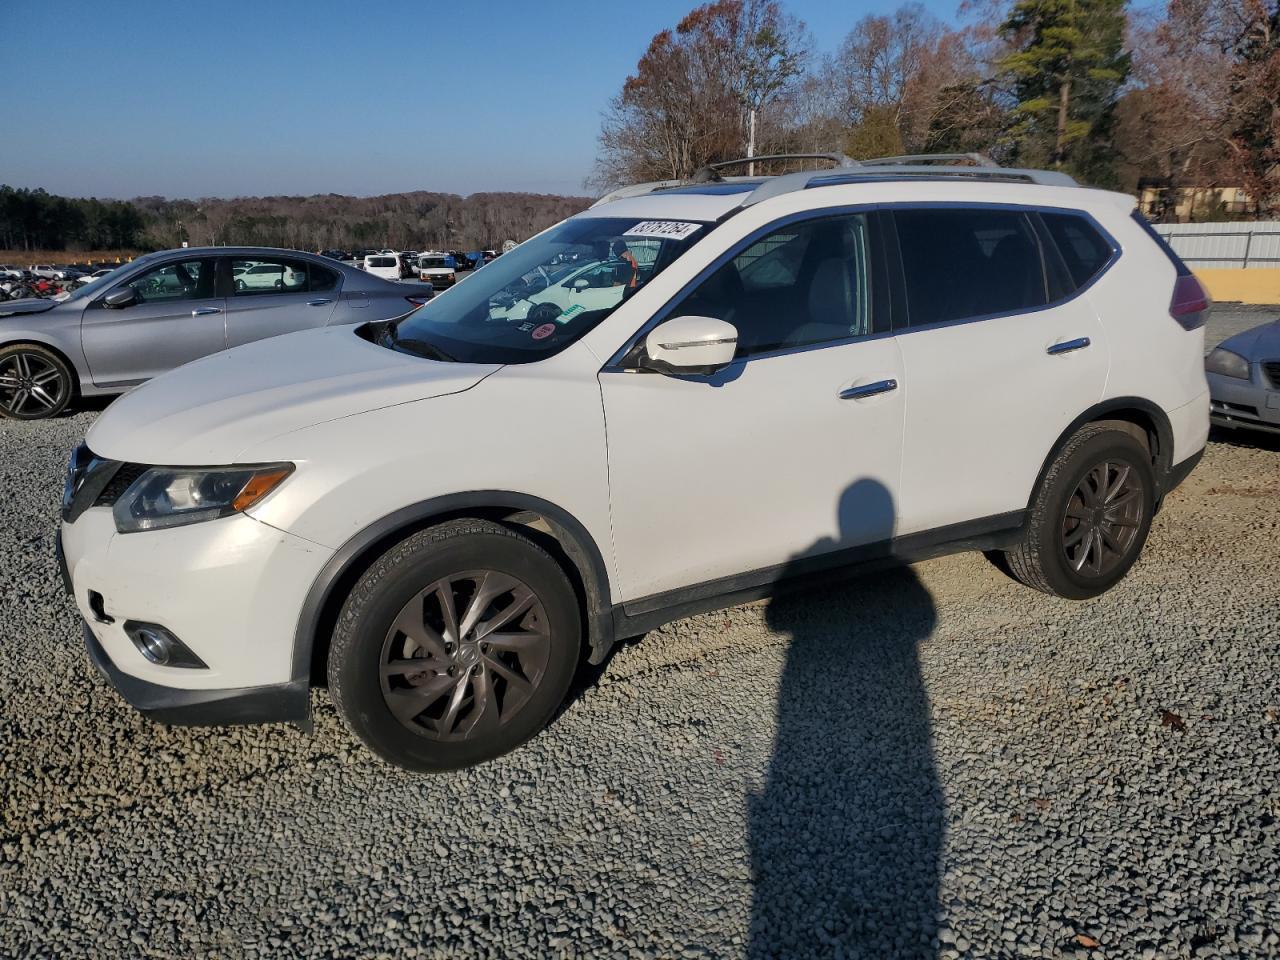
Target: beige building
[1166,204]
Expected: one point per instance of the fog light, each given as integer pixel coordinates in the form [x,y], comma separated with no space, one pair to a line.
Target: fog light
[161,647]
[153,644]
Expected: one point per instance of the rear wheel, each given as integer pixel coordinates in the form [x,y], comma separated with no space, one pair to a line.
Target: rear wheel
[1090,517]
[35,383]
[457,645]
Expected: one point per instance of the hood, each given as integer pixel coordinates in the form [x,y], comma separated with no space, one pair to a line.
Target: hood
[28,305]
[208,411]
[1260,343]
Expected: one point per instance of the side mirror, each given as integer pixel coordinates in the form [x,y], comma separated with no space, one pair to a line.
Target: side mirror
[120,297]
[690,345]
[581,283]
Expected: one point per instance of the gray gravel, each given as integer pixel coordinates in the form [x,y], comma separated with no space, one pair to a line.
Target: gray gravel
[932,763]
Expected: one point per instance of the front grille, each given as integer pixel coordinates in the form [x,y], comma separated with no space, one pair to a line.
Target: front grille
[1272,368]
[119,483]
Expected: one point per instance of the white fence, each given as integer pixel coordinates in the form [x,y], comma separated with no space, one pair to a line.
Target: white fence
[1248,245]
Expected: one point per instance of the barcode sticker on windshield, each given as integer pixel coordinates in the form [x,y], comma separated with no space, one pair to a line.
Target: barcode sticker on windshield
[670,229]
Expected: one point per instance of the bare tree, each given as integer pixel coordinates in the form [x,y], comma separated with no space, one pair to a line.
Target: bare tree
[702,92]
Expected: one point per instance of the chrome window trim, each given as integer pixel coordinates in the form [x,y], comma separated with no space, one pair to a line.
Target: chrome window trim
[614,363]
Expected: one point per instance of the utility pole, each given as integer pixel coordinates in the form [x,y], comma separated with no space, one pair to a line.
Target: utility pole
[751,141]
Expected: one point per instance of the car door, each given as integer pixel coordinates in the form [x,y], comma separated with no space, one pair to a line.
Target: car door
[274,295]
[1000,358]
[175,317]
[791,452]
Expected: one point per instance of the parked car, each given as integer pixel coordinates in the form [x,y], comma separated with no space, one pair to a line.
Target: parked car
[269,275]
[67,272]
[384,265]
[438,269]
[164,309]
[817,371]
[45,270]
[9,271]
[460,259]
[1244,380]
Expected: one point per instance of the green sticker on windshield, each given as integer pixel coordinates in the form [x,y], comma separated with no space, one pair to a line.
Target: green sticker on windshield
[570,313]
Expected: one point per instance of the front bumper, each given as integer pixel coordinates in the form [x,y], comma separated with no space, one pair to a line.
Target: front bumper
[278,703]
[231,590]
[1252,404]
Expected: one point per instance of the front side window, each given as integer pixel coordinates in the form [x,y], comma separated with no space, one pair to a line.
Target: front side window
[963,263]
[253,277]
[186,280]
[804,284]
[546,293]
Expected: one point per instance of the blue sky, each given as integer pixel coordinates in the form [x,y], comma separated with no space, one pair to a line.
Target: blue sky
[232,98]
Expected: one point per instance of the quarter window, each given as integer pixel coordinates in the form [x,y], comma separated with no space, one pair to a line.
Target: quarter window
[960,263]
[1083,248]
[804,284]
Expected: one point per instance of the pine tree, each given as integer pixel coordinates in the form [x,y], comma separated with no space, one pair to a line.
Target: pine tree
[1066,68]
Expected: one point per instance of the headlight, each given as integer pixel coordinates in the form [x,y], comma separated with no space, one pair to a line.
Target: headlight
[1228,364]
[173,496]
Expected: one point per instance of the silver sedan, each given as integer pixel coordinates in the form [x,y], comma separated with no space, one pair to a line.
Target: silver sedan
[168,308]
[1244,379]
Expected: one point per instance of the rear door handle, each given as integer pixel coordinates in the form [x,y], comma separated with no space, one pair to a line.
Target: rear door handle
[868,390]
[318,303]
[205,311]
[1079,343]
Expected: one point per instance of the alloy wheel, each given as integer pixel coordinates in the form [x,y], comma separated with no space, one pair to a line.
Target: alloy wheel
[464,655]
[30,385]
[1102,518]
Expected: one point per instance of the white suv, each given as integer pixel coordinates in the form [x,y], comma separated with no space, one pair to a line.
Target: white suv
[443,515]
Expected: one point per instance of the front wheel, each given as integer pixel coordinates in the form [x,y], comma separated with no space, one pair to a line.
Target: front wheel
[1090,516]
[35,383]
[457,645]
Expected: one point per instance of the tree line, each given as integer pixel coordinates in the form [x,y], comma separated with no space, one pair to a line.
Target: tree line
[1187,94]
[36,220]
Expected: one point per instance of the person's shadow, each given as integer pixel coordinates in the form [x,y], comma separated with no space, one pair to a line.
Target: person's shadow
[846,836]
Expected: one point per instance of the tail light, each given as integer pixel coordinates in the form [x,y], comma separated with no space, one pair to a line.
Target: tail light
[417,301]
[1190,303]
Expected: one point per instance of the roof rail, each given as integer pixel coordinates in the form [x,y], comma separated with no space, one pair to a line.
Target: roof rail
[977,159]
[908,166]
[709,173]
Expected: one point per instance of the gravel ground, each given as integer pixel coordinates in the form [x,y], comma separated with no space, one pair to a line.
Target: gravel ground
[936,762]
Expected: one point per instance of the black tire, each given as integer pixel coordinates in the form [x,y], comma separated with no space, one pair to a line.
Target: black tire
[1047,558]
[35,383]
[398,582]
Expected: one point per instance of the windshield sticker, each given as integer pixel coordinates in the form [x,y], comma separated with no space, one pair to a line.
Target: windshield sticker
[544,331]
[526,327]
[668,229]
[570,313]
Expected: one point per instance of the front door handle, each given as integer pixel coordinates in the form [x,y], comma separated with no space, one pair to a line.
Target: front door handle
[868,390]
[1066,346]
[318,303]
[205,311]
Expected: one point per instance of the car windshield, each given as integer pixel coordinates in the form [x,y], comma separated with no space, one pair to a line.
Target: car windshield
[546,293]
[427,263]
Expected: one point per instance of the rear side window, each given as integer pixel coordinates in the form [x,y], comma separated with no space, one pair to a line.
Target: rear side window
[963,263]
[1084,250]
